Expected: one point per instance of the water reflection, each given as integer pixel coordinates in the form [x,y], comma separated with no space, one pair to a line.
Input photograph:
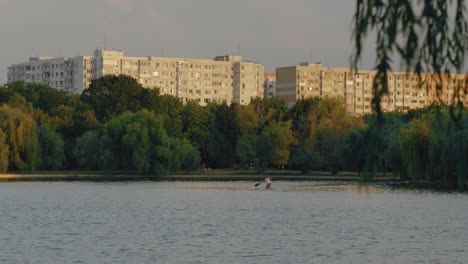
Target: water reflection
[361,188]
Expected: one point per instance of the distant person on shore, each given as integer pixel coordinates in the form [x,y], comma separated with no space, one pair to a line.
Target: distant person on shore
[205,169]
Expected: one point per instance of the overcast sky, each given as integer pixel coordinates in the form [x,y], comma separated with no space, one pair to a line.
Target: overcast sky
[275,33]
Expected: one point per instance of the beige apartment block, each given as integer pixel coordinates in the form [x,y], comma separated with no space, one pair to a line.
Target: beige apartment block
[406,90]
[269,86]
[224,79]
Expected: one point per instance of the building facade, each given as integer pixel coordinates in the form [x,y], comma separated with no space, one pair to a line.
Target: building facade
[406,90]
[222,79]
[269,85]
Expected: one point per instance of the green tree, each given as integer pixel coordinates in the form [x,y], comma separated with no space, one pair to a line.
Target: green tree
[448,158]
[198,126]
[89,151]
[415,139]
[21,137]
[304,155]
[430,36]
[51,148]
[330,124]
[111,96]
[252,120]
[271,108]
[171,108]
[83,119]
[226,134]
[383,148]
[3,152]
[352,150]
[247,149]
[41,96]
[192,158]
[249,120]
[139,141]
[279,136]
[4,94]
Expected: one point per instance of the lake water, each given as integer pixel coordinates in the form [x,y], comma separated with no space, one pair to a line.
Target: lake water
[229,222]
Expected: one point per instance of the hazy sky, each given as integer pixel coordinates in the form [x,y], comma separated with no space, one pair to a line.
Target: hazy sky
[275,33]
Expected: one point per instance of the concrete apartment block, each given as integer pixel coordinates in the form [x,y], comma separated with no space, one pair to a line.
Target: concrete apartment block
[222,79]
[269,86]
[406,90]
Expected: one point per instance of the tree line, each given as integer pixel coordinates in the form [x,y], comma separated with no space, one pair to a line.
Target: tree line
[117,124]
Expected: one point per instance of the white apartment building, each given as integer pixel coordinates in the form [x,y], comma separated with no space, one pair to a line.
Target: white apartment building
[222,79]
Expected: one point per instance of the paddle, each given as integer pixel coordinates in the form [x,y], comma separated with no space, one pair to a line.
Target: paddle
[256,185]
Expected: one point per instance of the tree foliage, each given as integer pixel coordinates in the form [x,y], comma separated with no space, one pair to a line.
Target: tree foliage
[430,36]
[198,125]
[3,152]
[279,137]
[111,96]
[247,149]
[383,149]
[22,139]
[89,151]
[352,150]
[319,126]
[226,134]
[159,135]
[51,148]
[139,141]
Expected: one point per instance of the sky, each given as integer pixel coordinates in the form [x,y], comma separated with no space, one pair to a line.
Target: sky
[275,33]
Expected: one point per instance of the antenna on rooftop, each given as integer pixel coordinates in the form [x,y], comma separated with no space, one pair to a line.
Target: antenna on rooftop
[238,49]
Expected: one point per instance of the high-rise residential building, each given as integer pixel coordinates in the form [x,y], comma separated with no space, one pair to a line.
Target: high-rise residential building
[270,85]
[313,80]
[222,79]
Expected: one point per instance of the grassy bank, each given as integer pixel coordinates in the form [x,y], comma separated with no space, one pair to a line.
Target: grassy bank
[212,175]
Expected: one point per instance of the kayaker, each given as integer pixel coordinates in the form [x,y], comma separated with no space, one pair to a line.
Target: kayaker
[267,180]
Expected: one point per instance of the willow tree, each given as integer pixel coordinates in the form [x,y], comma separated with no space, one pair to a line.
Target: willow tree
[415,139]
[3,152]
[51,147]
[445,153]
[138,141]
[21,137]
[429,35]
[89,151]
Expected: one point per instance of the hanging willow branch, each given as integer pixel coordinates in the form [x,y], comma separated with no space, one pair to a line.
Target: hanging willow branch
[430,36]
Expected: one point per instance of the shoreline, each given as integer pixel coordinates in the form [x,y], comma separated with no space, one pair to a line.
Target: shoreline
[221,175]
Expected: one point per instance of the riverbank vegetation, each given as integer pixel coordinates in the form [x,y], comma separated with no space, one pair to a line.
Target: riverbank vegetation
[119,125]
[427,36]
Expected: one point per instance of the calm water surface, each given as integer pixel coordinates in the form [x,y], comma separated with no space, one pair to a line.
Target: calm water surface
[229,222]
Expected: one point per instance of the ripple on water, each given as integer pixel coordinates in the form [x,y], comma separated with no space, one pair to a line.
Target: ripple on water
[229,222]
